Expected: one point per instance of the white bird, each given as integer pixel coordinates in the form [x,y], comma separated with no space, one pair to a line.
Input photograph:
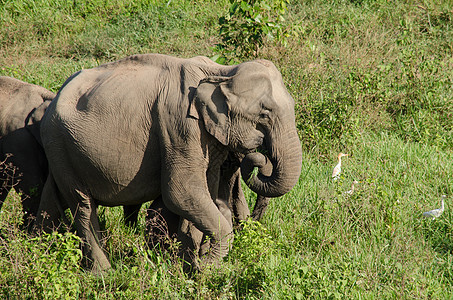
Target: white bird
[337,170]
[352,188]
[435,213]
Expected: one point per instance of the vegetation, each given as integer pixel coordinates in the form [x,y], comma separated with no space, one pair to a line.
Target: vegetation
[245,27]
[371,78]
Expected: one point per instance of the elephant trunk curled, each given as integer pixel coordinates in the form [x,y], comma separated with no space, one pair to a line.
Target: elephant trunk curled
[285,156]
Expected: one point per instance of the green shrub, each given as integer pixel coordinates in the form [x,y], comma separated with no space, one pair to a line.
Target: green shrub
[252,247]
[244,29]
[44,267]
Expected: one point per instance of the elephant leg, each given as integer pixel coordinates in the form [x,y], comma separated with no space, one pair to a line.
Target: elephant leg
[84,215]
[4,191]
[50,209]
[230,189]
[237,200]
[31,187]
[6,178]
[161,225]
[214,225]
[86,222]
[191,240]
[225,209]
[130,213]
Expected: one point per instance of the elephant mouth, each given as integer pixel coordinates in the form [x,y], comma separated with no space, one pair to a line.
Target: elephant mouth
[253,145]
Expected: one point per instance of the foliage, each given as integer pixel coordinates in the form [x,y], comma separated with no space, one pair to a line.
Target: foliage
[246,26]
[49,264]
[57,277]
[252,246]
[374,65]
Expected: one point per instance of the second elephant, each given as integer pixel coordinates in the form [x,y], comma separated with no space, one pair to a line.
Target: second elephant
[162,225]
[23,164]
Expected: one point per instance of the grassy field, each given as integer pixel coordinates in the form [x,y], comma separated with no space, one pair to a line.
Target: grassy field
[371,78]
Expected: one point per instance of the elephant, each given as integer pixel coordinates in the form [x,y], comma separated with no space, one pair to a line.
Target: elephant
[23,164]
[162,225]
[152,125]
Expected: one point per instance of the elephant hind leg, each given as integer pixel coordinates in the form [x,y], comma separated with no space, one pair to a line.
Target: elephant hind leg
[130,213]
[50,208]
[3,191]
[6,179]
[31,187]
[84,214]
[86,222]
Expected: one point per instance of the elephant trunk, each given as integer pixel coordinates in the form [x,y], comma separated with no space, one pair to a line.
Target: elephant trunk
[285,156]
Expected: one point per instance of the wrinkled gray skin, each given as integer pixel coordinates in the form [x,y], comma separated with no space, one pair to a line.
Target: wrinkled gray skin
[24,167]
[153,125]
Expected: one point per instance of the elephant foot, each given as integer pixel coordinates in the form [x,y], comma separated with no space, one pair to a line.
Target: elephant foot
[217,251]
[190,261]
[99,268]
[96,261]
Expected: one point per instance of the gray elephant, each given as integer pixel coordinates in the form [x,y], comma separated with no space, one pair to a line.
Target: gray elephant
[162,224]
[230,200]
[153,125]
[23,163]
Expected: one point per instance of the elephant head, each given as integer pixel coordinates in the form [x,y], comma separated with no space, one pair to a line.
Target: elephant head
[250,108]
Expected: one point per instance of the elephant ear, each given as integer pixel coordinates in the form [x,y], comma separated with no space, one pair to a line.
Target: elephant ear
[212,106]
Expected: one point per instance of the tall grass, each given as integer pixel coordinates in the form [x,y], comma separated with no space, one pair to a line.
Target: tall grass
[370,78]
[378,65]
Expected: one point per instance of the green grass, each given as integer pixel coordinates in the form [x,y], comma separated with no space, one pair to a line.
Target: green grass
[370,78]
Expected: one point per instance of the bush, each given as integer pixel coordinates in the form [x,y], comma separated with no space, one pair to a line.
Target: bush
[44,267]
[244,29]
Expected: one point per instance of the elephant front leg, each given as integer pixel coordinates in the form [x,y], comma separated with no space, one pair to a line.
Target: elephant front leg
[187,194]
[260,207]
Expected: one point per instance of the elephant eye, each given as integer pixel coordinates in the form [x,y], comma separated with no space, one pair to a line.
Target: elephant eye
[264,114]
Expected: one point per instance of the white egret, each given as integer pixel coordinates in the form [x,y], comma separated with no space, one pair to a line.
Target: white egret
[352,188]
[337,170]
[435,213]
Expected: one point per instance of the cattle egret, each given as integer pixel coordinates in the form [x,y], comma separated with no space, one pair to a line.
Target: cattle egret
[337,169]
[435,213]
[352,188]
